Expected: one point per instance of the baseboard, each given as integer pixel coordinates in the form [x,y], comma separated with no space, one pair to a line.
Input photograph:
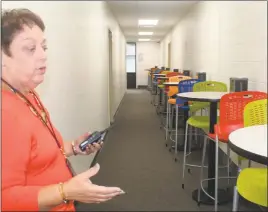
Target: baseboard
[94,161]
[142,87]
[119,106]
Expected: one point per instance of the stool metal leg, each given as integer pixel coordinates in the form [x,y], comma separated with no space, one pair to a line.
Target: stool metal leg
[190,138]
[195,135]
[176,135]
[154,91]
[167,120]
[236,196]
[216,173]
[228,163]
[154,96]
[202,167]
[172,116]
[235,200]
[184,154]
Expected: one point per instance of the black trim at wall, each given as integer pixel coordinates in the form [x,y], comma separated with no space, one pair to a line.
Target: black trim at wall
[94,161]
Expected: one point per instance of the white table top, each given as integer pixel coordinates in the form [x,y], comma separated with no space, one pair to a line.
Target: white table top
[159,74]
[170,83]
[202,96]
[252,140]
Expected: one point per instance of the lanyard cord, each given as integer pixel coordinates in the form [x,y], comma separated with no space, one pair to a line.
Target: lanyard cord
[34,111]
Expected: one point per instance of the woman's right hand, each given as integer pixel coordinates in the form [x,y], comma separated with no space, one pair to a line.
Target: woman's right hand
[81,189]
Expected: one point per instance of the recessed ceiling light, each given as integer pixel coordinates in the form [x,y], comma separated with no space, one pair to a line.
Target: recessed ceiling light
[148,22]
[144,39]
[146,33]
[149,26]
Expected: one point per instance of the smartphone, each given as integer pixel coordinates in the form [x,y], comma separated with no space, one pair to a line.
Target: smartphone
[104,132]
[92,138]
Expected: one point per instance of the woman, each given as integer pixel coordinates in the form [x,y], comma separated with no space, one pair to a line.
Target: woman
[36,174]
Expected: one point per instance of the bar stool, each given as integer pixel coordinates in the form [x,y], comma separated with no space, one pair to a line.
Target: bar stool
[154,84]
[184,86]
[199,122]
[160,87]
[151,70]
[166,90]
[173,90]
[231,118]
[252,182]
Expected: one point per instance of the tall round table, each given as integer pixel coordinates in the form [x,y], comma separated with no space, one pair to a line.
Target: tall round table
[171,83]
[158,75]
[251,143]
[213,98]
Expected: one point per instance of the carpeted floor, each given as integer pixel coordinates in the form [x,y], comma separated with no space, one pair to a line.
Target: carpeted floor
[135,158]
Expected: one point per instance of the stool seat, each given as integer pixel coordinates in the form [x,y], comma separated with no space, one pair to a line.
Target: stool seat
[252,185]
[194,106]
[199,122]
[224,131]
[172,101]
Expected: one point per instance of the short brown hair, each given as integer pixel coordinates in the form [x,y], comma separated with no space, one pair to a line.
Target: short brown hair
[13,21]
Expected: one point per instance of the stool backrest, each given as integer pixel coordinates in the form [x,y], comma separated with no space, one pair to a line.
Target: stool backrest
[165,72]
[172,74]
[157,71]
[161,81]
[186,86]
[174,89]
[232,106]
[153,70]
[210,86]
[255,113]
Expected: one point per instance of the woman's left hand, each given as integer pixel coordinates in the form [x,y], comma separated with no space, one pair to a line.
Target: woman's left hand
[91,148]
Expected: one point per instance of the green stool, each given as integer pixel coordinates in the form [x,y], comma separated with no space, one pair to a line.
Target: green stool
[199,122]
[252,182]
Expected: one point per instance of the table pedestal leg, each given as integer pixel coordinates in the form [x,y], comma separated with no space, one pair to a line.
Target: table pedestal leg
[223,196]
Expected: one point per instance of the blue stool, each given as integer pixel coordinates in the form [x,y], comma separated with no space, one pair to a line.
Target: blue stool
[183,86]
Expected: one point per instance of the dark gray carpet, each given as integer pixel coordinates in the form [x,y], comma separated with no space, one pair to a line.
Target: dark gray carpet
[135,158]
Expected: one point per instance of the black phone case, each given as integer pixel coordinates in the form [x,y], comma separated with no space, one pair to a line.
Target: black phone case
[93,138]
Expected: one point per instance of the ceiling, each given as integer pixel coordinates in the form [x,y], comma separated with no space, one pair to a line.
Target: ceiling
[168,13]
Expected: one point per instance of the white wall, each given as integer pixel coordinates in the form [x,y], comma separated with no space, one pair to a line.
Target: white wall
[165,55]
[119,52]
[147,56]
[223,38]
[162,54]
[75,90]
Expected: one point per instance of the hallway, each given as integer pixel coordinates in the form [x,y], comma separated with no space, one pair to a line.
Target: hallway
[136,159]
[98,57]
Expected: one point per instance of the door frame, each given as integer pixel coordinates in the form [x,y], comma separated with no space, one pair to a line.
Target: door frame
[135,44]
[169,55]
[110,76]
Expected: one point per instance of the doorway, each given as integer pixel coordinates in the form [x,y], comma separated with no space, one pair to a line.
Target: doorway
[110,83]
[131,65]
